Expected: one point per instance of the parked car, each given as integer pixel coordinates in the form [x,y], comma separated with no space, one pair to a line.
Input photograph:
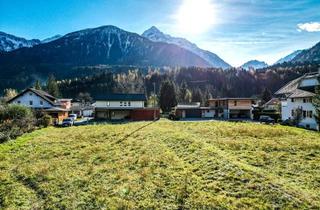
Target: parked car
[73,116]
[266,119]
[68,122]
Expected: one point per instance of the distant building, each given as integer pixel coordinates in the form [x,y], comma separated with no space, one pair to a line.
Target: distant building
[272,105]
[41,100]
[82,109]
[232,108]
[298,94]
[193,110]
[124,106]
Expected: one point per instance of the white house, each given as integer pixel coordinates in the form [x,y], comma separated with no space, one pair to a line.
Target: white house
[124,106]
[297,95]
[41,100]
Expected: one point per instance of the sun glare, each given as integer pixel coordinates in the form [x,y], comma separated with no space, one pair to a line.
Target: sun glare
[195,16]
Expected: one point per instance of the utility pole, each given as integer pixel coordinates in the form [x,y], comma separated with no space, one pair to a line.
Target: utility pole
[154,101]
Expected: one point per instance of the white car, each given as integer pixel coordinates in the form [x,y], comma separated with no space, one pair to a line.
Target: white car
[73,116]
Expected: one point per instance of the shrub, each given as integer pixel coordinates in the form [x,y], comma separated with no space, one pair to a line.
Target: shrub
[42,119]
[15,120]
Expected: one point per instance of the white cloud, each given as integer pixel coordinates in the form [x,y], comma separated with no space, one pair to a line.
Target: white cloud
[310,27]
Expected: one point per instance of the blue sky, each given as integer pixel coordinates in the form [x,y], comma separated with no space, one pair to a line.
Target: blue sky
[237,30]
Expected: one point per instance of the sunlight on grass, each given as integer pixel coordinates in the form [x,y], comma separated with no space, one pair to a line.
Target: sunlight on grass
[165,165]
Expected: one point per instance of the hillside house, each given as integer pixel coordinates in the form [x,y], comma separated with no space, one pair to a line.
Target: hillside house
[297,95]
[193,110]
[232,108]
[124,107]
[41,100]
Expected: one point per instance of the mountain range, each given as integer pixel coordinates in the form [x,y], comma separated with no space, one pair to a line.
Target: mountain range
[309,55]
[104,45]
[10,42]
[289,57]
[154,34]
[254,64]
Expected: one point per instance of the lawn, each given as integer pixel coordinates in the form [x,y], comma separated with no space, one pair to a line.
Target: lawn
[162,165]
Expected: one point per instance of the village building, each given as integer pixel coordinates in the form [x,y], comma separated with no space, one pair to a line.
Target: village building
[297,96]
[124,107]
[193,110]
[272,105]
[43,101]
[82,109]
[232,108]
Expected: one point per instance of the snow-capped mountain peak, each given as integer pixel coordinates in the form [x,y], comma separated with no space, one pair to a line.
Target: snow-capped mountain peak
[10,42]
[254,64]
[155,35]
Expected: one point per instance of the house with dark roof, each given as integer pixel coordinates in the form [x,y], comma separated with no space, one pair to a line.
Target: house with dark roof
[193,110]
[41,100]
[297,96]
[124,107]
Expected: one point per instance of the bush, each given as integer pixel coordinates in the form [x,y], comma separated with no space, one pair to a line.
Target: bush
[42,119]
[15,120]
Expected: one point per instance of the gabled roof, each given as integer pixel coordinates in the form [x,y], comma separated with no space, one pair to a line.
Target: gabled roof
[301,94]
[121,97]
[272,102]
[42,94]
[290,87]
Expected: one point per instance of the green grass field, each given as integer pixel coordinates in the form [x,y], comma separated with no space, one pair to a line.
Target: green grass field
[162,165]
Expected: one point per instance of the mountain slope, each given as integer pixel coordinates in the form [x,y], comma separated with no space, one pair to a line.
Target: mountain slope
[105,45]
[254,64]
[51,39]
[309,55]
[289,57]
[10,42]
[154,34]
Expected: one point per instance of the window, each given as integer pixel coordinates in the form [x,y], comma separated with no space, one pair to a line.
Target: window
[304,112]
[30,103]
[125,103]
[217,104]
[310,114]
[292,100]
[41,103]
[292,112]
[30,94]
[235,103]
[19,102]
[304,100]
[129,103]
[120,103]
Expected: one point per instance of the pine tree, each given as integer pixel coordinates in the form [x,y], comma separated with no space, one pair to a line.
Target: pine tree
[197,95]
[37,85]
[183,91]
[266,96]
[168,98]
[52,86]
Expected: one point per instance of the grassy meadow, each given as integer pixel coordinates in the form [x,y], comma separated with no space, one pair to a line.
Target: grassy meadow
[162,165]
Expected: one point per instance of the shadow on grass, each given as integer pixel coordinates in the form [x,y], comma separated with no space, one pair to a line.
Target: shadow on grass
[135,131]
